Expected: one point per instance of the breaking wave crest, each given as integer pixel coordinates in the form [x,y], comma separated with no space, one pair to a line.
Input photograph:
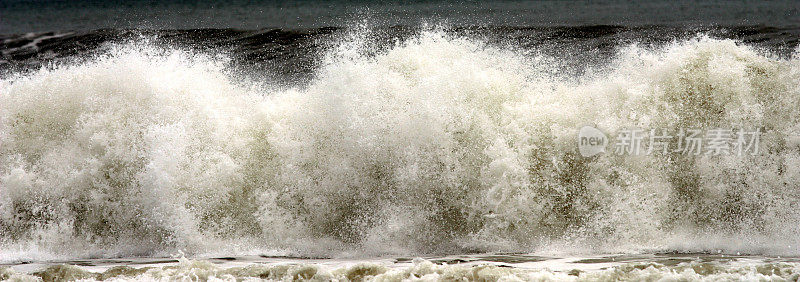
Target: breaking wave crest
[437,144]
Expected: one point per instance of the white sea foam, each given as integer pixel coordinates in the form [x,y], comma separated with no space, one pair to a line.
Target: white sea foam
[419,270]
[439,144]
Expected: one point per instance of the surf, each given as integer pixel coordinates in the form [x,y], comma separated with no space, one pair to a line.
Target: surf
[438,144]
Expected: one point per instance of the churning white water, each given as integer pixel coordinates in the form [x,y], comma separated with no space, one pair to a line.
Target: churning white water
[439,144]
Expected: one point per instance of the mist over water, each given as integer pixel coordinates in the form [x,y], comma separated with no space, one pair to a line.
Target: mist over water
[437,144]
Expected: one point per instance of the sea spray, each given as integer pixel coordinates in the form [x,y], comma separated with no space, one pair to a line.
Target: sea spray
[438,144]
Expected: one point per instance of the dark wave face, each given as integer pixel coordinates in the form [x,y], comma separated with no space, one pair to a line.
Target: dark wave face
[292,55]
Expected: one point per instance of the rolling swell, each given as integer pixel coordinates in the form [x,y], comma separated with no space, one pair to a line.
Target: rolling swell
[438,143]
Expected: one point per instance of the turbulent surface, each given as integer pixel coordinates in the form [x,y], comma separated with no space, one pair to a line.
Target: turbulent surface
[436,142]
[421,270]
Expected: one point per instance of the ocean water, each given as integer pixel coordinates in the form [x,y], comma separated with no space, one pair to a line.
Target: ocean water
[20,16]
[418,145]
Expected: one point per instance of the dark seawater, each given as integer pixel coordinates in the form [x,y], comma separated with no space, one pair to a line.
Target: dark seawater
[282,39]
[292,55]
[20,16]
[389,140]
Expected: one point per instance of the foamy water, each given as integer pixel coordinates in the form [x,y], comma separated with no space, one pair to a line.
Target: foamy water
[437,145]
[506,267]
